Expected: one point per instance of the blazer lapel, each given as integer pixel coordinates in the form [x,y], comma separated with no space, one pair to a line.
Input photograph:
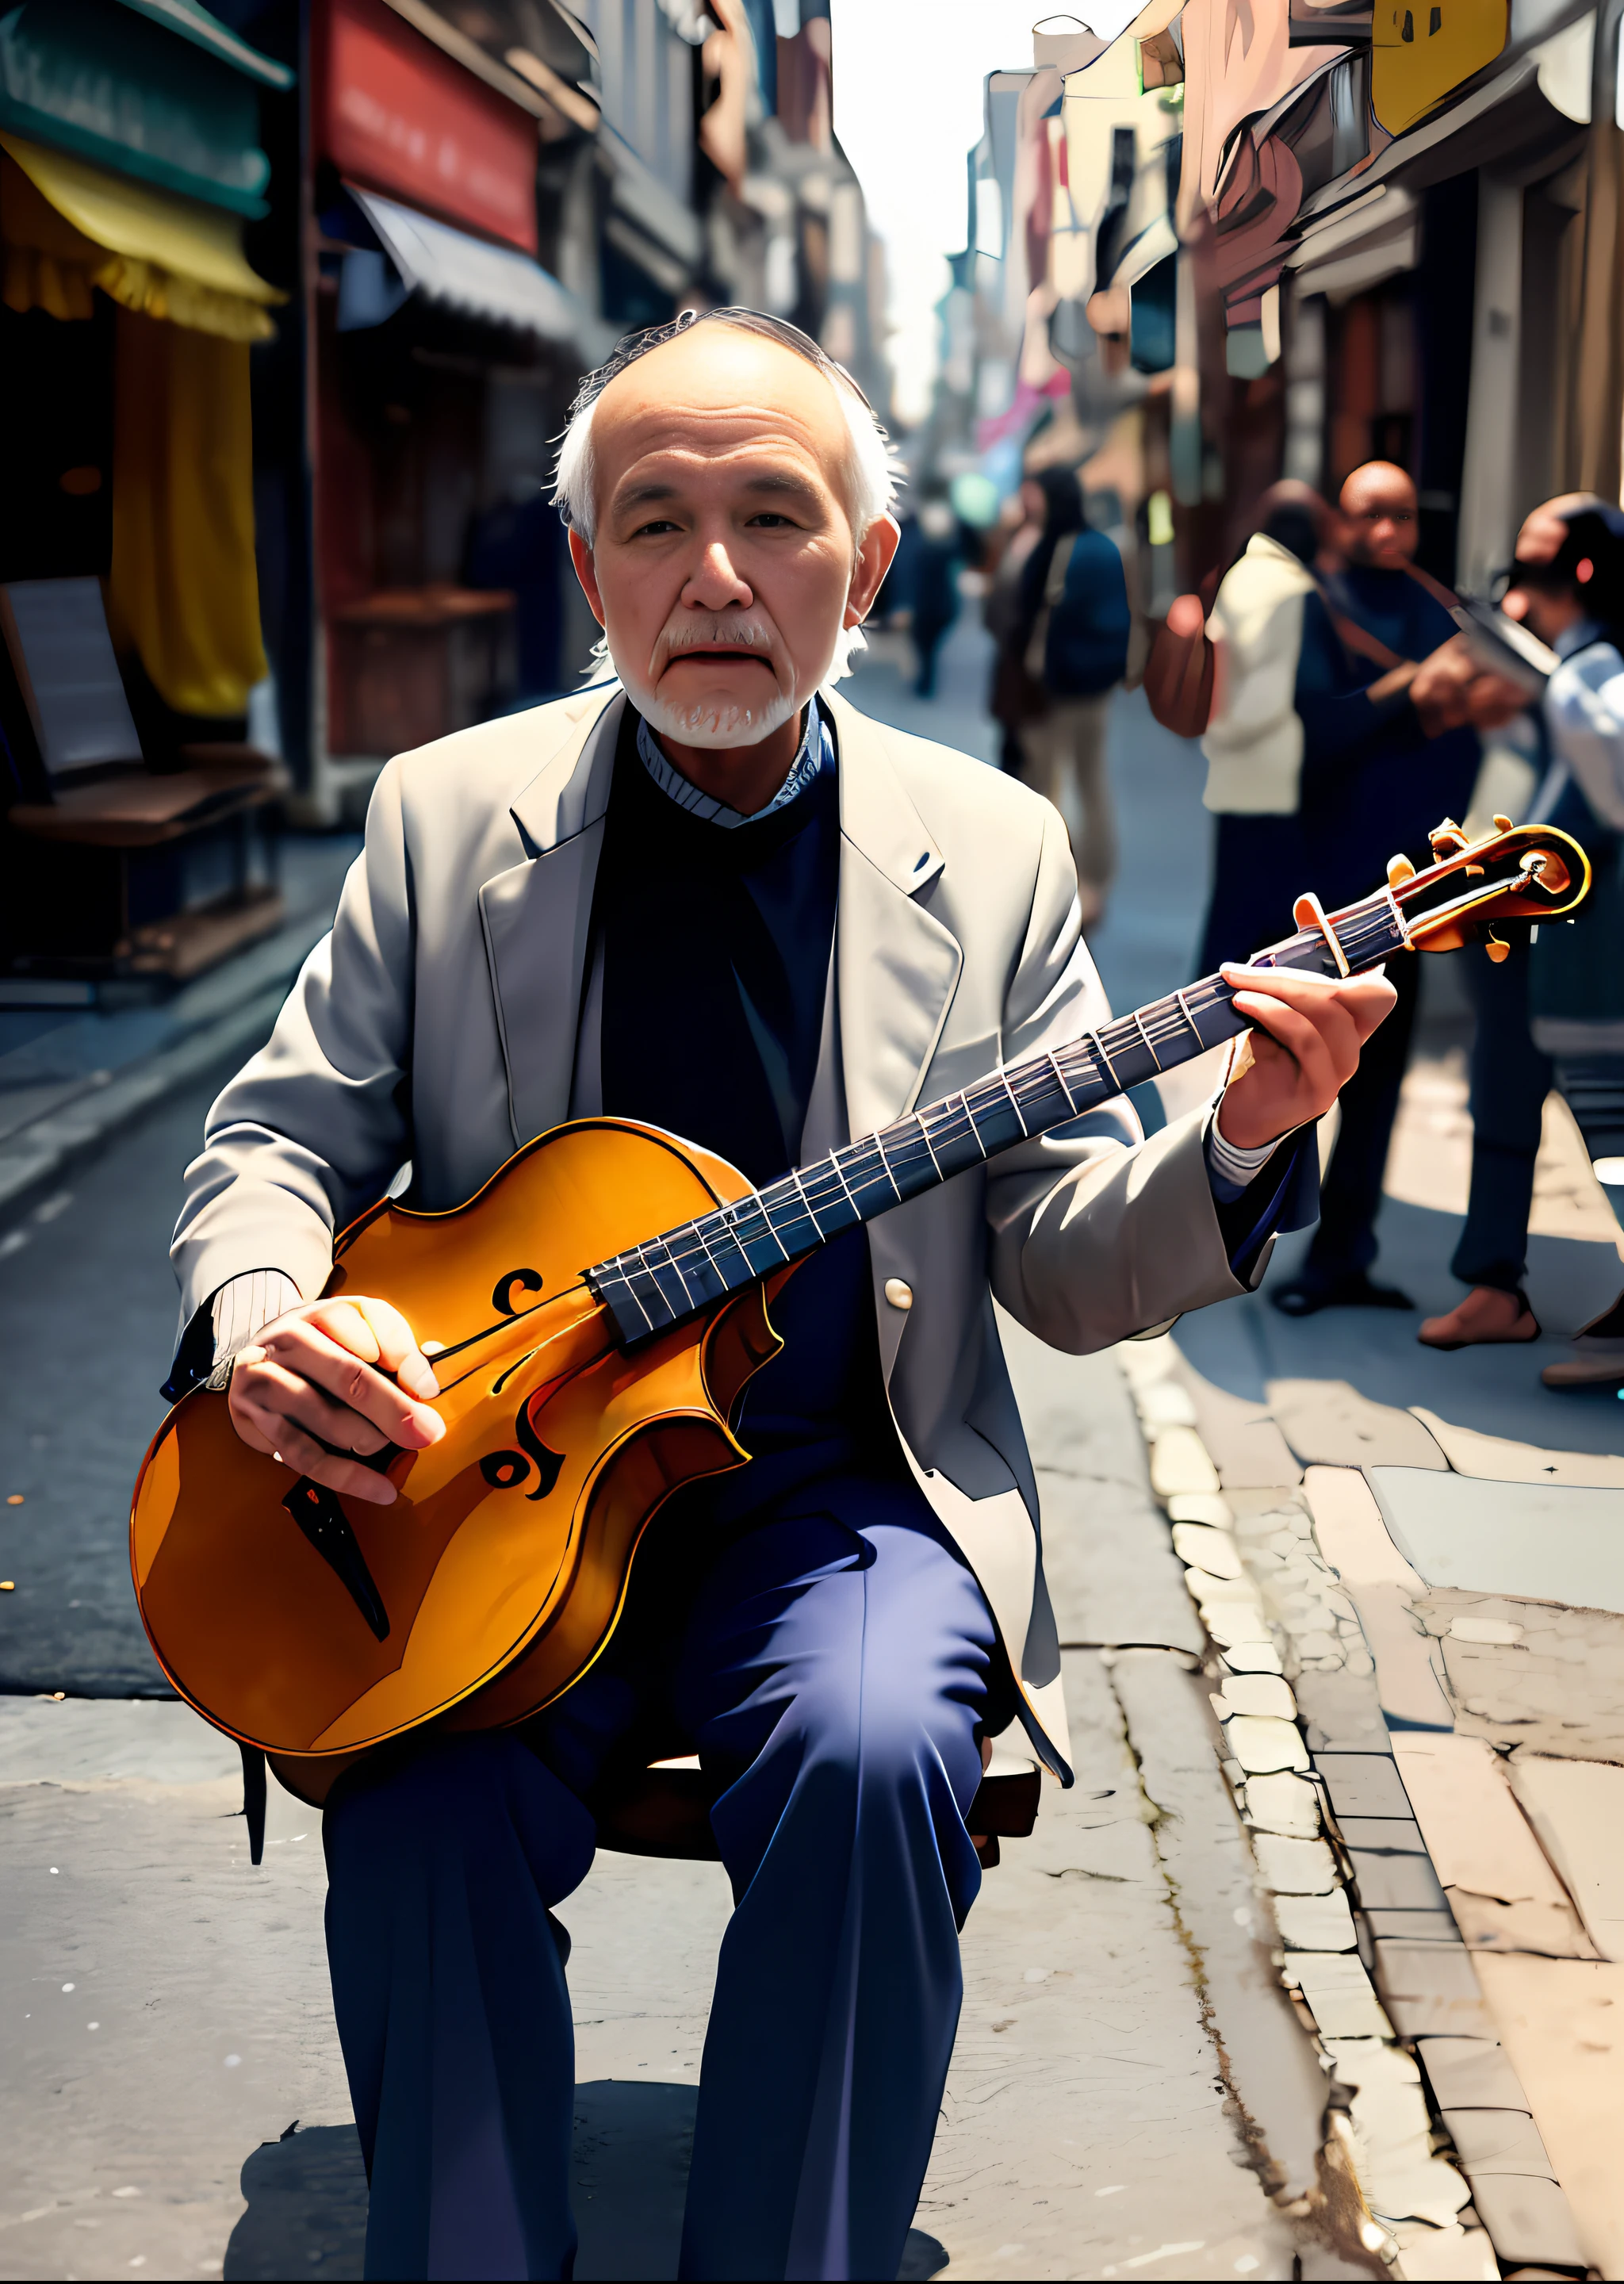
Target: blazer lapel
[896,965]
[537,915]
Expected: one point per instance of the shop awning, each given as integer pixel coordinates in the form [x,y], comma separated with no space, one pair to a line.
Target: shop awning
[193,22]
[467,274]
[175,106]
[67,226]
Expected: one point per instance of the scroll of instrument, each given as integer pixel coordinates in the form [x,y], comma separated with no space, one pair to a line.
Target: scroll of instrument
[593,1316]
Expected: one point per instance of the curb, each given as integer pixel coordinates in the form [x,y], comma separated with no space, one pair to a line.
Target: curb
[1412,2195]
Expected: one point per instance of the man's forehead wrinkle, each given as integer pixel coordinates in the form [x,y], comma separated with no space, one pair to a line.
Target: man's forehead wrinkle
[641,482]
[781,467]
[711,432]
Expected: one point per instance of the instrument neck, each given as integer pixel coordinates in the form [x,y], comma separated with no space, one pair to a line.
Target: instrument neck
[686,1269]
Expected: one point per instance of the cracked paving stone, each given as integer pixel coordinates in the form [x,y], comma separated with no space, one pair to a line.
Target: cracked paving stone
[1558,2020]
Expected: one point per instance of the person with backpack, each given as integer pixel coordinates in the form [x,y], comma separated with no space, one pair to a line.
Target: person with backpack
[1070,637]
[1553,1012]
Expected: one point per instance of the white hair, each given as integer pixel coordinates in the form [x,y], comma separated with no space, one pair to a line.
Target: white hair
[871,470]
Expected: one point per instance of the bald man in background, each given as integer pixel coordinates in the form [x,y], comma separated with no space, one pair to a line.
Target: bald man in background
[1390,749]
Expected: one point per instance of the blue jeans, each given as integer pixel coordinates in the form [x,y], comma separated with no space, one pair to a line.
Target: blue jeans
[833,1672]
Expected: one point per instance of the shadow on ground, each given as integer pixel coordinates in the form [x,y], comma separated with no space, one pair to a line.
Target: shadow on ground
[307,2195]
[1497,1390]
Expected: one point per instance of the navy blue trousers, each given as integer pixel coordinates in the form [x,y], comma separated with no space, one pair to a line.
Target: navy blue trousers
[834,1672]
[1350,1195]
[1509,1080]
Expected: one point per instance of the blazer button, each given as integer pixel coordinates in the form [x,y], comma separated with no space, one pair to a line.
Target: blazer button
[900,1295]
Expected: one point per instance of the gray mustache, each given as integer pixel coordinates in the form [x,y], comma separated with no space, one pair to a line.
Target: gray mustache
[734,637]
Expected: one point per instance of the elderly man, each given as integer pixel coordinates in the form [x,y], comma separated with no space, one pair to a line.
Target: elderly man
[709,895]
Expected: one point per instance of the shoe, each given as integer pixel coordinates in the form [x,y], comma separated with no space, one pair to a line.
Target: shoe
[1597,1360]
[1306,1296]
[1481,1320]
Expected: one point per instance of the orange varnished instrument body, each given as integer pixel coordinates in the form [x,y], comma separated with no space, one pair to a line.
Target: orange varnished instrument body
[503,1563]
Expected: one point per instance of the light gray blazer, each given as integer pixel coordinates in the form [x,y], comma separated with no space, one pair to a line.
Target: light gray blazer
[439,1023]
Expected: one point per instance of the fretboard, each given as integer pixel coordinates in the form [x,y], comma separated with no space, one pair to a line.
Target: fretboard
[685,1270]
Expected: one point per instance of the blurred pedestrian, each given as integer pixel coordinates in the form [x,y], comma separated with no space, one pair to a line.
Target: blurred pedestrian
[1020,527]
[1554,1010]
[1253,737]
[1071,634]
[1390,703]
[932,595]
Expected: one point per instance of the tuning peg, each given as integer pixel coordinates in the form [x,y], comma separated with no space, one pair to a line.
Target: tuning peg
[1399,870]
[1502,824]
[1447,838]
[1497,950]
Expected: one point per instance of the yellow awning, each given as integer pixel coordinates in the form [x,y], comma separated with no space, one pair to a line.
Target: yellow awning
[67,226]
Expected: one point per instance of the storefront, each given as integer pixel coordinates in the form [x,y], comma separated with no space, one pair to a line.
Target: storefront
[445,357]
[129,162]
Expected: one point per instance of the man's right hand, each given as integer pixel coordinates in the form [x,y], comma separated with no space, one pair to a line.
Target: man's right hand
[338,1373]
[1449,689]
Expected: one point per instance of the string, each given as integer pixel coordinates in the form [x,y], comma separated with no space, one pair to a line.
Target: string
[1085,1067]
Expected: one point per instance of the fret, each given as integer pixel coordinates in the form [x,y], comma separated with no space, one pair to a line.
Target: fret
[1054,1063]
[1190,1019]
[833,1162]
[682,1281]
[970,1114]
[761,1199]
[1105,1059]
[725,1222]
[807,1202]
[925,1131]
[754,1203]
[1014,1105]
[699,1232]
[1145,1036]
[879,1142]
[650,1270]
[632,1289]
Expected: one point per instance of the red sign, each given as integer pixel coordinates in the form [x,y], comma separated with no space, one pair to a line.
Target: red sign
[399,116]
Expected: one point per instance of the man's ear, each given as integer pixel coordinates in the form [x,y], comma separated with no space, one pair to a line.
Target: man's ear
[873,561]
[580,556]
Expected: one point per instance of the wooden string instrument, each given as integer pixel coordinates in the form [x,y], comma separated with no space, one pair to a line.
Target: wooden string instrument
[594,1314]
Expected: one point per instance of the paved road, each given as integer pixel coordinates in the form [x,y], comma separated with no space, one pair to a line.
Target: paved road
[87,1328]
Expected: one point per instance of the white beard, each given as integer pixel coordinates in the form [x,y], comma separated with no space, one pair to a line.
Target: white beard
[710,724]
[714,723]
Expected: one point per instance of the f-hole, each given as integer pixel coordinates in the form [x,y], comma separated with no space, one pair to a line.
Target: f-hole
[529,1281]
[547,1462]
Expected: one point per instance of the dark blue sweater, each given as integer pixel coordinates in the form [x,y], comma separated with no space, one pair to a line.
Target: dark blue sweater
[1373,784]
[716,948]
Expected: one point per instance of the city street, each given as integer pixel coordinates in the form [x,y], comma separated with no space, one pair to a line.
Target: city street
[1306,1977]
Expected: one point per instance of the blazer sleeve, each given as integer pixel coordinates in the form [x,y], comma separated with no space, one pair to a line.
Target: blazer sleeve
[317,1124]
[1096,1232]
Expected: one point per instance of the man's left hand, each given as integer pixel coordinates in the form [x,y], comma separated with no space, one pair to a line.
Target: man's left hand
[1306,1038]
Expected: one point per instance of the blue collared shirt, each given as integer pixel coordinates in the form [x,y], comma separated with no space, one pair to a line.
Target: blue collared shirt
[816,752]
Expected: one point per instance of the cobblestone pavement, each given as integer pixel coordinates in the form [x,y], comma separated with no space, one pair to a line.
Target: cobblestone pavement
[1313,1973]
